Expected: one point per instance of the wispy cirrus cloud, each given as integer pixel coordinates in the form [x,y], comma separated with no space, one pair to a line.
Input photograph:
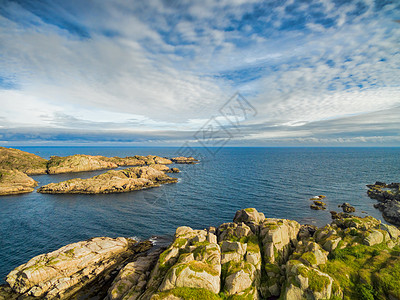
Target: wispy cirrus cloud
[169,65]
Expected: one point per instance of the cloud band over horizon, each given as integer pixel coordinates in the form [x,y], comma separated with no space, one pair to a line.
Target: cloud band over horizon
[154,72]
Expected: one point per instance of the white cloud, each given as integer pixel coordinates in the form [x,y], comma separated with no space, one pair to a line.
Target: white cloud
[160,65]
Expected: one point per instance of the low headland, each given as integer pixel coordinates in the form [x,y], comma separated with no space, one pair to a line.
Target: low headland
[149,171]
[253,257]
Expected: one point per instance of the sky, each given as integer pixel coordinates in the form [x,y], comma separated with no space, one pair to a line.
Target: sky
[164,72]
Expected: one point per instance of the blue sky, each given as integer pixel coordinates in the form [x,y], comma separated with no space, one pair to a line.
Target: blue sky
[318,73]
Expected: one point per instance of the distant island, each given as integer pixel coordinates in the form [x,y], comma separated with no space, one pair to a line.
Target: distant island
[253,257]
[16,165]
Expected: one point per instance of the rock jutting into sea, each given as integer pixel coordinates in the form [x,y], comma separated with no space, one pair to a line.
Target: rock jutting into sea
[388,196]
[131,179]
[15,182]
[185,160]
[28,163]
[81,162]
[253,257]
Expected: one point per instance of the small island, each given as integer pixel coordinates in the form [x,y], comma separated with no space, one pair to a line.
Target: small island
[149,171]
[253,257]
[113,181]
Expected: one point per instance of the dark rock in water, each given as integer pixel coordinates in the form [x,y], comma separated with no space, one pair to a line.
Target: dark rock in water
[175,170]
[317,207]
[390,211]
[335,215]
[347,208]
[389,197]
[319,203]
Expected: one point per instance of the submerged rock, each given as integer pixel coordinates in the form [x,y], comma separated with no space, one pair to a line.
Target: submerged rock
[28,163]
[15,182]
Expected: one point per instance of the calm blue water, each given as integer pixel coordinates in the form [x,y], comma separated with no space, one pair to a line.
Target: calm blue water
[276,181]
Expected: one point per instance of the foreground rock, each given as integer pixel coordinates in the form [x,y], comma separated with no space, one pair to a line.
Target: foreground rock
[62,273]
[15,182]
[28,163]
[388,196]
[184,160]
[113,181]
[253,257]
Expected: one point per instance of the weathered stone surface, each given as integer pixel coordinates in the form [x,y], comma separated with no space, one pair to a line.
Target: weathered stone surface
[28,163]
[126,180]
[237,282]
[273,258]
[248,216]
[15,182]
[373,238]
[58,273]
[306,282]
[132,279]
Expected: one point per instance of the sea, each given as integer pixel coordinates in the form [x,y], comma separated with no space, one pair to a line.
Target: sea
[276,181]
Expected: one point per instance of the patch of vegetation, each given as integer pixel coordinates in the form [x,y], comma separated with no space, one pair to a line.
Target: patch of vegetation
[198,266]
[190,294]
[309,257]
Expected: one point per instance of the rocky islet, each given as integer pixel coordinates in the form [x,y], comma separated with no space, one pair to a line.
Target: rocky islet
[16,165]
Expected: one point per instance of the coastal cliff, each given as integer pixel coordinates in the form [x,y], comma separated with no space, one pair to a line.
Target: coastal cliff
[113,181]
[253,257]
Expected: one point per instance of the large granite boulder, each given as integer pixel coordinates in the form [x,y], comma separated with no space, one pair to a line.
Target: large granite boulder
[15,182]
[126,180]
[60,273]
[28,163]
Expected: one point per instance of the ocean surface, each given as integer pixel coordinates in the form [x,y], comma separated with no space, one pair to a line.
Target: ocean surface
[276,181]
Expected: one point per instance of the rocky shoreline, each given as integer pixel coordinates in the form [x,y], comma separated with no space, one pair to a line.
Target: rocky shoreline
[253,257]
[388,196]
[16,165]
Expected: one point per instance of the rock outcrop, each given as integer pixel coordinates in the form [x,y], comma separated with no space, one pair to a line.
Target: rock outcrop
[61,273]
[15,182]
[81,162]
[388,196]
[252,257]
[113,181]
[184,160]
[28,163]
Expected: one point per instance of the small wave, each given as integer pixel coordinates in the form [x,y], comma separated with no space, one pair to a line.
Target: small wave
[135,238]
